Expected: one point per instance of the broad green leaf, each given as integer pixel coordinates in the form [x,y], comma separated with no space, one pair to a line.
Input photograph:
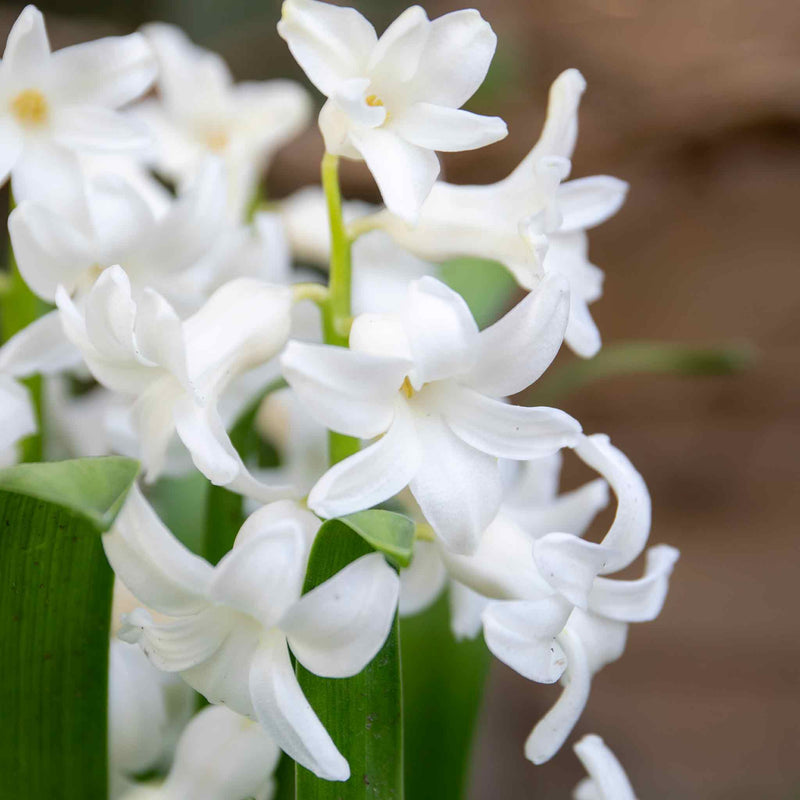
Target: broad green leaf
[181,504]
[55,608]
[487,286]
[94,488]
[284,779]
[442,692]
[391,533]
[363,714]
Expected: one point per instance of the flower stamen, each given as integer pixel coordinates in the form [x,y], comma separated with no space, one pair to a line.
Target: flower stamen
[374,101]
[406,388]
[30,108]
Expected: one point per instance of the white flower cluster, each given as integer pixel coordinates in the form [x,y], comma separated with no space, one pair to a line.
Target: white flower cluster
[180,306]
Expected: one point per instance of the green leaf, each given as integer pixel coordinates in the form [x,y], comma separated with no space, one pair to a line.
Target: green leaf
[94,488]
[487,286]
[181,504]
[390,533]
[640,358]
[55,609]
[442,692]
[363,714]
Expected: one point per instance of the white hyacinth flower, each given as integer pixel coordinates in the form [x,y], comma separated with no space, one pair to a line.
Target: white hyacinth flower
[56,104]
[530,221]
[429,384]
[220,756]
[607,779]
[228,629]
[568,619]
[156,251]
[177,370]
[395,100]
[200,111]
[17,418]
[502,566]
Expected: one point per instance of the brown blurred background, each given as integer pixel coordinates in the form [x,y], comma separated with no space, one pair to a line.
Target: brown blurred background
[697,104]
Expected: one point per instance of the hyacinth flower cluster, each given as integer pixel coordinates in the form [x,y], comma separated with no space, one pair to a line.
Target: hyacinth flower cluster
[134,164]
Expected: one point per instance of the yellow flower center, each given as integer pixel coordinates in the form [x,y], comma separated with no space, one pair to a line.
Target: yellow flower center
[407,389]
[217,141]
[30,108]
[374,101]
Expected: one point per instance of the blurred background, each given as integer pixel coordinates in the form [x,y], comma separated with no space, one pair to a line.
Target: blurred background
[697,104]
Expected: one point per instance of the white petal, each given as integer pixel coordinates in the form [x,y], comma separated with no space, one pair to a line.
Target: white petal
[466,611]
[153,422]
[41,347]
[587,202]
[604,769]
[448,130]
[582,334]
[350,97]
[49,250]
[523,636]
[422,581]
[603,640]
[533,483]
[17,419]
[50,174]
[286,715]
[404,172]
[505,430]
[159,334]
[330,43]
[177,644]
[221,754]
[456,58]
[348,391]
[561,126]
[381,334]
[27,50]
[224,676]
[640,600]
[11,143]
[261,576]
[631,527]
[442,333]
[107,72]
[372,475]
[242,325]
[152,563]
[552,730]
[395,58]
[97,128]
[457,487]
[570,564]
[518,348]
[502,567]
[571,512]
[336,629]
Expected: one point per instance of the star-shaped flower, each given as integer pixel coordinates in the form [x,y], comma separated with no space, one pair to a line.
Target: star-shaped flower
[429,384]
[56,104]
[395,100]
[228,629]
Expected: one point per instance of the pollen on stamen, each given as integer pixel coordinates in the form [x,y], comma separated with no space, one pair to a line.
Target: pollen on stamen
[374,101]
[217,141]
[30,107]
[407,389]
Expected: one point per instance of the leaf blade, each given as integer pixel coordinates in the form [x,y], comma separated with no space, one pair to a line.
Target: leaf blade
[363,714]
[55,608]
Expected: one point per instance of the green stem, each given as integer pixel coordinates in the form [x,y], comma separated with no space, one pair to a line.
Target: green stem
[638,358]
[336,310]
[19,306]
